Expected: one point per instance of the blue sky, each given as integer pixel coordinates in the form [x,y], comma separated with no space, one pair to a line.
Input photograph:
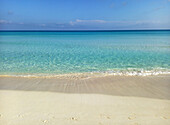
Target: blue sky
[84,14]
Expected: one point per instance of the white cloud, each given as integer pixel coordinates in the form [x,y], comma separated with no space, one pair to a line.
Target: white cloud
[147,22]
[78,21]
[21,23]
[91,21]
[42,24]
[71,23]
[5,22]
[10,13]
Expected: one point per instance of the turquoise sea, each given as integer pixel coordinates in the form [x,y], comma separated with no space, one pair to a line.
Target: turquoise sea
[105,52]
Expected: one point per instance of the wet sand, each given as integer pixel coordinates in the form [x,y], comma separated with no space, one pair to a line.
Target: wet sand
[138,86]
[122,100]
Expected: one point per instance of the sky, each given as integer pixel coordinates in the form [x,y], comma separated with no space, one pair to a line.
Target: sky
[84,14]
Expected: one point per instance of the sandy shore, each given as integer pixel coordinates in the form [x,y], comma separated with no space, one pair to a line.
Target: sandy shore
[118,100]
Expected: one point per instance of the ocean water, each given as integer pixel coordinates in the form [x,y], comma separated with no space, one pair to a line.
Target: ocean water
[57,53]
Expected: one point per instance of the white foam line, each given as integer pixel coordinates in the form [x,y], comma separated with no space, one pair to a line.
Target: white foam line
[93,74]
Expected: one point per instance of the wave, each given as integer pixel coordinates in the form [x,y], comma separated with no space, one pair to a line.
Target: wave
[85,75]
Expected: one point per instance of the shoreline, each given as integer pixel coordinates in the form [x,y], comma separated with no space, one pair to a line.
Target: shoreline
[91,74]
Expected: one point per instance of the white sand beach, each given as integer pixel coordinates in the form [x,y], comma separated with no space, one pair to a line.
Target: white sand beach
[104,101]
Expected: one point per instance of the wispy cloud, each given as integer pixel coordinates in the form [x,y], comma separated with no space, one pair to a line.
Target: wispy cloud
[21,23]
[146,22]
[113,24]
[42,25]
[124,3]
[112,5]
[85,24]
[158,8]
[10,22]
[115,5]
[5,22]
[82,22]
[10,13]
[78,21]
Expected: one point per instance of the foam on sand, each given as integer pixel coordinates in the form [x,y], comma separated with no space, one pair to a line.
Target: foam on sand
[116,72]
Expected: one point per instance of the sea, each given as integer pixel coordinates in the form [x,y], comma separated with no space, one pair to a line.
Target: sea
[63,53]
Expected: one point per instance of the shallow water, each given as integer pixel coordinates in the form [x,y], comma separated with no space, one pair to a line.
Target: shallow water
[54,53]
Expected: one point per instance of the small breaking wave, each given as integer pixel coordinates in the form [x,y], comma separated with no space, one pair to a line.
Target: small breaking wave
[86,75]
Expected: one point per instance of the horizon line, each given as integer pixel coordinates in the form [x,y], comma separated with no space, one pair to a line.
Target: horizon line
[77,30]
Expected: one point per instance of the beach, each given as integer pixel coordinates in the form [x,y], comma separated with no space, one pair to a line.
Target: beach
[85,78]
[84,62]
[119,100]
